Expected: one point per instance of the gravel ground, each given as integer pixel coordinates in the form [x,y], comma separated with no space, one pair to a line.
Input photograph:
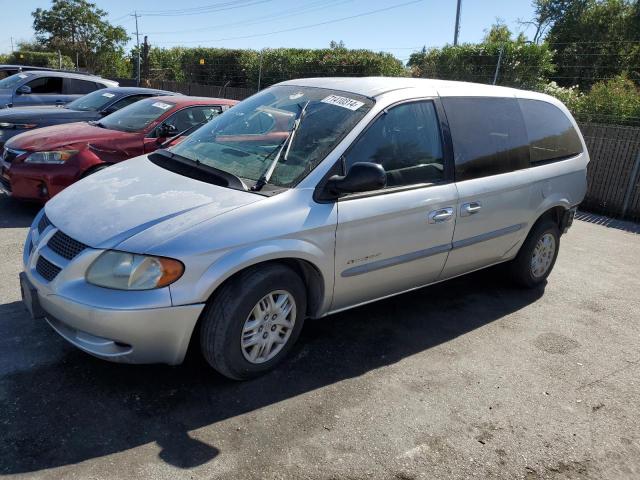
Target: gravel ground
[469,378]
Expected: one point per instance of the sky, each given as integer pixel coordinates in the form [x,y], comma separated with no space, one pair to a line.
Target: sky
[396,26]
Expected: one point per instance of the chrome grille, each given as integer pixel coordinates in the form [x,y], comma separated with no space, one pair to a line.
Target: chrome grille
[65,246]
[43,223]
[46,269]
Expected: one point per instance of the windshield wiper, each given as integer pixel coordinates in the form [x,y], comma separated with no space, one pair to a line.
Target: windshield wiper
[266,176]
[231,180]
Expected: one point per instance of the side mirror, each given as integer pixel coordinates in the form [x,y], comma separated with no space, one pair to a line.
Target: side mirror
[361,177]
[165,130]
[24,90]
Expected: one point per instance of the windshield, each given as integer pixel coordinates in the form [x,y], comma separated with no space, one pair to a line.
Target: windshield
[136,116]
[92,102]
[244,140]
[13,81]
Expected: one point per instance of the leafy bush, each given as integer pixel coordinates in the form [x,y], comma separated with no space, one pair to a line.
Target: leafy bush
[523,65]
[615,101]
[570,96]
[286,63]
[39,59]
[244,68]
[612,101]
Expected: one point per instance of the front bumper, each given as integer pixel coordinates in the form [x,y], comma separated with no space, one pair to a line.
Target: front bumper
[157,335]
[38,182]
[120,326]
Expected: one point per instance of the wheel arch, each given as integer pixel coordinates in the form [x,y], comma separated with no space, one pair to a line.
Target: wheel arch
[317,284]
[554,211]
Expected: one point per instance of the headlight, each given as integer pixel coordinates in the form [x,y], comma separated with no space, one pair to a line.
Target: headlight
[130,271]
[18,126]
[58,156]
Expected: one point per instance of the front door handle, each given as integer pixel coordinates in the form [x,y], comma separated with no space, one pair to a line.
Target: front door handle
[470,208]
[441,215]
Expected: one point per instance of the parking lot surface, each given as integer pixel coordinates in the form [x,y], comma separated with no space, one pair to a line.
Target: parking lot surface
[468,378]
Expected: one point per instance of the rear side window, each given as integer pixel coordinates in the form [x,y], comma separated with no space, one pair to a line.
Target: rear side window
[406,142]
[43,85]
[489,136]
[551,134]
[74,86]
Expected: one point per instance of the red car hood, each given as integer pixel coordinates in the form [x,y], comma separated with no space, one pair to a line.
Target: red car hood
[47,138]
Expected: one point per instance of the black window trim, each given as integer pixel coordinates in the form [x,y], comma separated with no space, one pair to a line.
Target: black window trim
[553,160]
[447,156]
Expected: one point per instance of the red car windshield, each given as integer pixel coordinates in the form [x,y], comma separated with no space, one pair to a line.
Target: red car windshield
[136,116]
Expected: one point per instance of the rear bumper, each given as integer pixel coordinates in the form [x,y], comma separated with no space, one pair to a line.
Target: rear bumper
[154,335]
[567,219]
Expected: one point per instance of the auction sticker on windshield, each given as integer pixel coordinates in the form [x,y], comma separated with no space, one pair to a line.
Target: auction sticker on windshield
[109,95]
[343,102]
[161,105]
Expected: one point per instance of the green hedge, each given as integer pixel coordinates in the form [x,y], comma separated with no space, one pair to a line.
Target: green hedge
[522,65]
[615,101]
[243,68]
[39,59]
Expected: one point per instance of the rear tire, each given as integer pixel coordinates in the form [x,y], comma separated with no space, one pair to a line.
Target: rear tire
[537,256]
[251,323]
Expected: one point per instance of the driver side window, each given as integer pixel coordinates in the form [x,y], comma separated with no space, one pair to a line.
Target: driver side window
[406,142]
[46,85]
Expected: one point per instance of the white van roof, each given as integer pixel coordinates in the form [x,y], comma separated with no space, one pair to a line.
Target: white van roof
[375,86]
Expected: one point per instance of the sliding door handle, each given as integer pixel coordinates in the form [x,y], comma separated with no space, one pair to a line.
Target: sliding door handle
[441,215]
[470,208]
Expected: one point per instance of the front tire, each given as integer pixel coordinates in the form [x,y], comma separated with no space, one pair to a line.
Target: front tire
[537,256]
[250,325]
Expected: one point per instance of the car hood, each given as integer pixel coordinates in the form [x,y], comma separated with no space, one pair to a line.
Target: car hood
[43,115]
[126,199]
[47,138]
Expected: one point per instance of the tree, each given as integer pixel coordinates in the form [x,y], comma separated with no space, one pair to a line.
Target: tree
[498,33]
[78,27]
[594,40]
[547,12]
[522,64]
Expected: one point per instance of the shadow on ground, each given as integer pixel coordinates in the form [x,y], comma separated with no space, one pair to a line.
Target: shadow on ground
[72,407]
[16,214]
[625,225]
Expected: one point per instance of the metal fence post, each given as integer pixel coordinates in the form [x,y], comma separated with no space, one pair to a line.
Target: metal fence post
[260,70]
[632,184]
[495,76]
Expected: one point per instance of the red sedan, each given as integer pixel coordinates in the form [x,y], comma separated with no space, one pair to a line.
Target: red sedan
[40,163]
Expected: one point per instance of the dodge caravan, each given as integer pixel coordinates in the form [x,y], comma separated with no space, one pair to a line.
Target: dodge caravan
[311,197]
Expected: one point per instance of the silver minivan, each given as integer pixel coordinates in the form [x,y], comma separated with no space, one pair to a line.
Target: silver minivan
[311,197]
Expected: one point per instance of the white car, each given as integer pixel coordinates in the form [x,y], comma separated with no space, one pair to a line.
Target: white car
[310,197]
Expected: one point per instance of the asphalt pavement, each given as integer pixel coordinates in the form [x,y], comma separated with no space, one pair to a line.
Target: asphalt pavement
[468,378]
